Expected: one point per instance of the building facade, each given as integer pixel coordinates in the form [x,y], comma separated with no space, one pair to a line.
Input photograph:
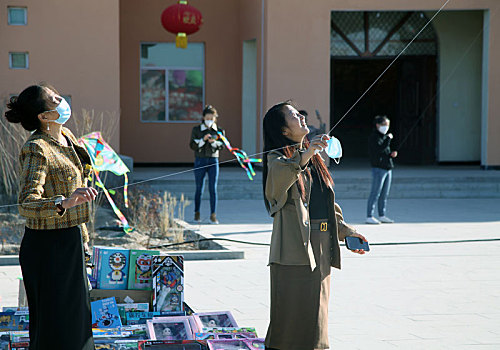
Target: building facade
[250,54]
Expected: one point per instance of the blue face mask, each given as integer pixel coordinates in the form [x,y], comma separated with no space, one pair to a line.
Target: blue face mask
[64,111]
[334,149]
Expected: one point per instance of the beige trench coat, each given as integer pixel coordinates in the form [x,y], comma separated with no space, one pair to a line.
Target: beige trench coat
[290,240]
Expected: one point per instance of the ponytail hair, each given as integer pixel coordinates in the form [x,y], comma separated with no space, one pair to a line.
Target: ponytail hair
[26,107]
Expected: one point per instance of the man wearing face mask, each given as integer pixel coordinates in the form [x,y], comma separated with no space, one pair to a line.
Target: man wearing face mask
[381,156]
[206,146]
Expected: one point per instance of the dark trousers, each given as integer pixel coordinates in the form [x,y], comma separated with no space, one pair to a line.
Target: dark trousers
[203,166]
[55,280]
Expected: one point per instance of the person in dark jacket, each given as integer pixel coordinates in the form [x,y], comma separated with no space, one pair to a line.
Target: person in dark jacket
[381,157]
[206,145]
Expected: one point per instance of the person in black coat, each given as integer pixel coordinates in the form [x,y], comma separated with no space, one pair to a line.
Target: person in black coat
[381,156]
[206,144]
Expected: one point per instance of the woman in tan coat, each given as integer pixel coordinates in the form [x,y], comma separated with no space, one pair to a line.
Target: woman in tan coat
[307,227]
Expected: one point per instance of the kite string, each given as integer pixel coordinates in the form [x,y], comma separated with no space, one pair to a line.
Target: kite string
[369,88]
[277,149]
[388,67]
[445,83]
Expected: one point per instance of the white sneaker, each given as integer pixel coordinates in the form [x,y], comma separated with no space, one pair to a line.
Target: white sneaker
[371,220]
[385,220]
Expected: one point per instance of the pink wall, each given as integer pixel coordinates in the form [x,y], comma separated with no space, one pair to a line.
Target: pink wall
[250,18]
[298,55]
[169,142]
[74,47]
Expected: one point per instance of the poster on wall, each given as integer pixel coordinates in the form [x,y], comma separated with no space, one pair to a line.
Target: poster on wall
[185,95]
[153,95]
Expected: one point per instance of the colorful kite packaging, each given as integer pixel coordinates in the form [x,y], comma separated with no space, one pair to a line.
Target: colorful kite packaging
[105,314]
[14,321]
[140,318]
[111,267]
[168,283]
[240,344]
[172,345]
[115,344]
[151,318]
[140,274]
[124,309]
[19,340]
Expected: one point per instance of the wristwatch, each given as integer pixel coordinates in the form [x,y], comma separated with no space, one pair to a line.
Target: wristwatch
[58,204]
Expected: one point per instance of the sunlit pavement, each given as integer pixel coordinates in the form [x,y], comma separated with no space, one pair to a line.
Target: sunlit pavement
[420,296]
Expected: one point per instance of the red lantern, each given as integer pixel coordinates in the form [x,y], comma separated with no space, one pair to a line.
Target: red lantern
[181,19]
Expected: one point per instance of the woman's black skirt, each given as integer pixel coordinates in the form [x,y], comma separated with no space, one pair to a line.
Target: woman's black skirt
[52,262]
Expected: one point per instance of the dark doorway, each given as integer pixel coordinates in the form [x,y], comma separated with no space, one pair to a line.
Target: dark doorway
[405,94]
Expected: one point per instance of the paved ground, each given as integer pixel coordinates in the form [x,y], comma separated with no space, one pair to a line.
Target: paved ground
[439,296]
[428,296]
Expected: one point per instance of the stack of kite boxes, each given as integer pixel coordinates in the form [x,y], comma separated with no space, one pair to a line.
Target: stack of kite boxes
[151,312]
[122,269]
[171,324]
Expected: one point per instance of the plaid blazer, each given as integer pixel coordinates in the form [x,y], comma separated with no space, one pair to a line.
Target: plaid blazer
[50,171]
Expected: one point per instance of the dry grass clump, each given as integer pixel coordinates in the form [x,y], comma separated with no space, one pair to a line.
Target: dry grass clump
[154,213]
[12,138]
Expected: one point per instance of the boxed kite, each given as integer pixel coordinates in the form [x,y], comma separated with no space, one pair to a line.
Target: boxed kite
[169,328]
[123,309]
[111,267]
[115,344]
[236,344]
[168,282]
[140,274]
[136,318]
[105,314]
[215,319]
[14,321]
[172,345]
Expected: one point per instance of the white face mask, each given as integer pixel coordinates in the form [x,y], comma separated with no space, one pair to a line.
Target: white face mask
[64,111]
[383,129]
[209,123]
[334,149]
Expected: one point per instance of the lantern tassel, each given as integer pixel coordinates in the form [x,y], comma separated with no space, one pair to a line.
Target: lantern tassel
[181,40]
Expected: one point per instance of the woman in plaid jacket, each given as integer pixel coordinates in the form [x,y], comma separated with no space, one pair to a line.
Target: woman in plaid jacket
[54,199]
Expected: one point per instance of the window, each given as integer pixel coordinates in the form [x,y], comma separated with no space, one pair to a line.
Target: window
[17,16]
[18,60]
[172,82]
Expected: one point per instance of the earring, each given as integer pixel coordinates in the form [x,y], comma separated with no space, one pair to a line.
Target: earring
[48,127]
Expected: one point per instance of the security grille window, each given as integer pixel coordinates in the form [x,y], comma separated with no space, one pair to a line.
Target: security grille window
[18,60]
[172,82]
[381,34]
[17,16]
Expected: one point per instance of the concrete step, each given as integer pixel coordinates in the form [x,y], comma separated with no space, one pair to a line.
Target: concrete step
[353,188]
